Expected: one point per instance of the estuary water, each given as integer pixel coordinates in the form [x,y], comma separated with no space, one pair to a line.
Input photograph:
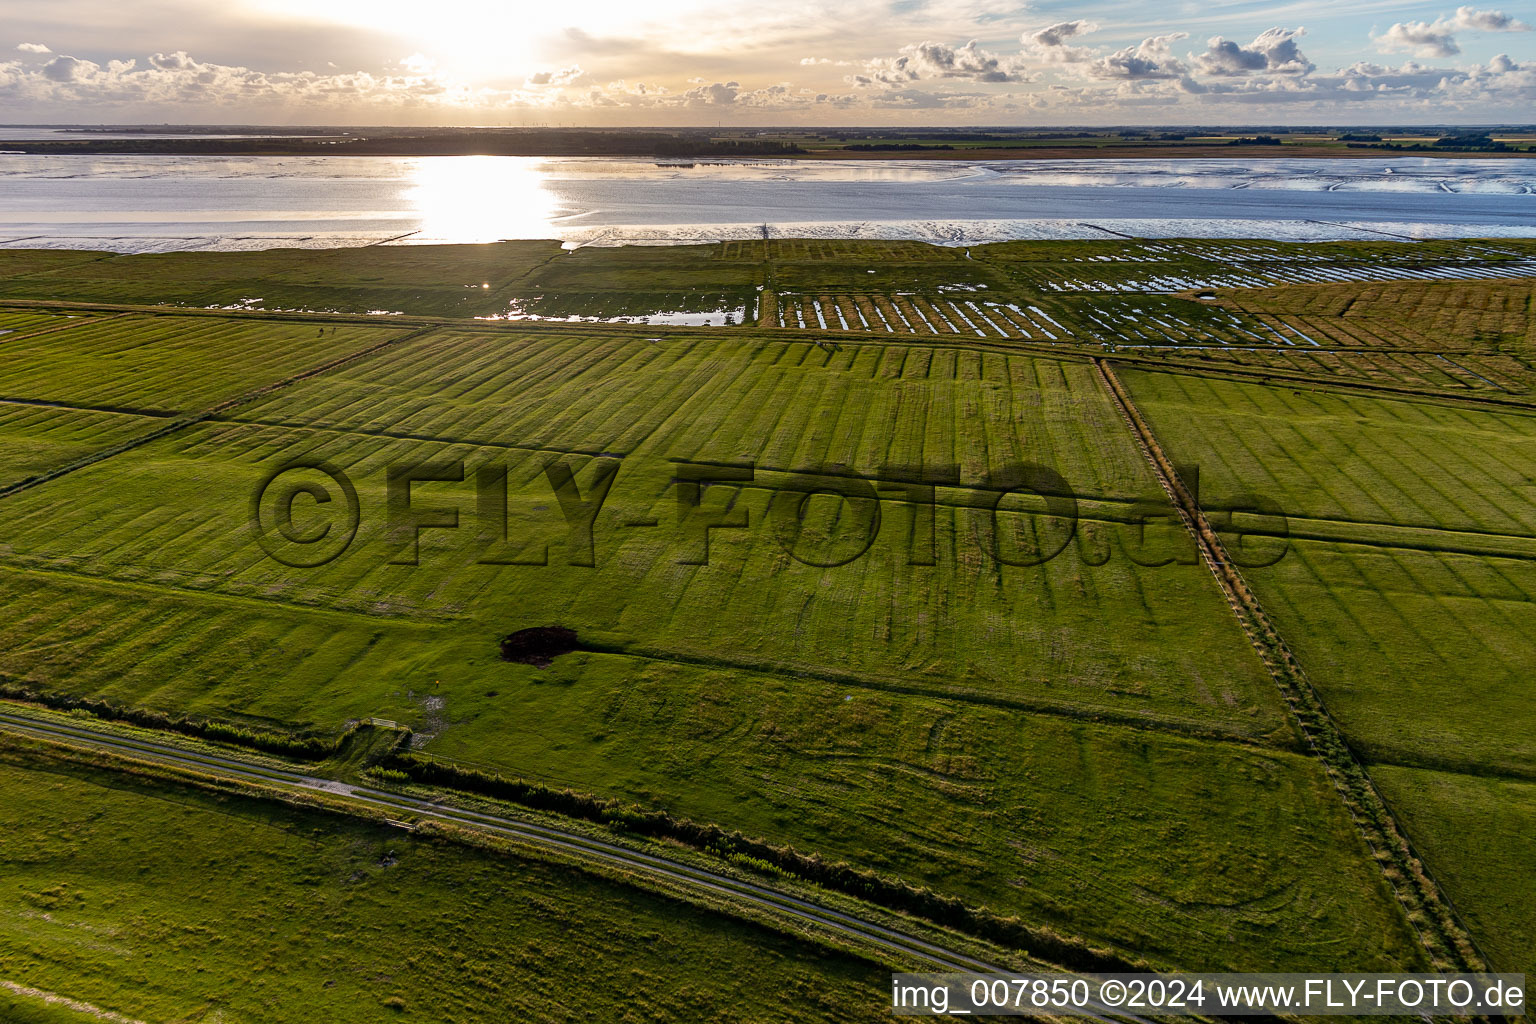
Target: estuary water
[151,203]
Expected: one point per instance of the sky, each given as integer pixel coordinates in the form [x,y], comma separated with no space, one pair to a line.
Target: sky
[765,62]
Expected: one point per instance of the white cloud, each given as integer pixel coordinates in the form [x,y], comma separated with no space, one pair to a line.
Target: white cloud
[1427,39]
[1059,33]
[952,83]
[418,64]
[561,77]
[1049,44]
[1273,52]
[1487,21]
[1150,58]
[715,94]
[68,69]
[33,48]
[929,60]
[1405,87]
[176,80]
[1436,38]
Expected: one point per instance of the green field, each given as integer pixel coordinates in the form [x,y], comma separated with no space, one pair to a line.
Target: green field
[1406,592]
[1477,832]
[116,893]
[924,609]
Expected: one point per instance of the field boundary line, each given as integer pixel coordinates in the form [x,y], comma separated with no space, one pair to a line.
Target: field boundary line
[1398,537]
[397,435]
[1290,379]
[116,410]
[413,619]
[193,419]
[1094,714]
[77,321]
[1426,908]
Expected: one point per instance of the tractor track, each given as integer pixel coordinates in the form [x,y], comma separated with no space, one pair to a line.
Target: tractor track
[573,844]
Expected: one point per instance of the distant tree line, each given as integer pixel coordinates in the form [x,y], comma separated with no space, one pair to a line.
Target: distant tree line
[889,146]
[1468,143]
[435,143]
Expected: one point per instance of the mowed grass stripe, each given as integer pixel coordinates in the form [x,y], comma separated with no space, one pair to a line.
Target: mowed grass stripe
[175,364]
[35,439]
[1407,463]
[182,422]
[1480,834]
[1419,670]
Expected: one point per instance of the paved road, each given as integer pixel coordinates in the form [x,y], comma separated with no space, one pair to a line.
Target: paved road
[908,947]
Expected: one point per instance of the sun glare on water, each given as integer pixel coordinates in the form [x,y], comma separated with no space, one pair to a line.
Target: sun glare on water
[482,199]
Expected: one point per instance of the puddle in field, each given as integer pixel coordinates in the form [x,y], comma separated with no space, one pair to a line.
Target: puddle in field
[538,646]
[255,305]
[718,316]
[683,318]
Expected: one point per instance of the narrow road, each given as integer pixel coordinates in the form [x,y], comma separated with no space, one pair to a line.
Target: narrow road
[920,951]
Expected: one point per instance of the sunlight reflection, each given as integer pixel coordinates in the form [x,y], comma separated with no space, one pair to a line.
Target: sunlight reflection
[482,199]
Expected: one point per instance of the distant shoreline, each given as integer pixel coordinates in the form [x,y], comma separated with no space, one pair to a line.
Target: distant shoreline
[633,148]
[1174,152]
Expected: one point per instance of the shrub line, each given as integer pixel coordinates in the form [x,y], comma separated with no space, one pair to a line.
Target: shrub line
[288,744]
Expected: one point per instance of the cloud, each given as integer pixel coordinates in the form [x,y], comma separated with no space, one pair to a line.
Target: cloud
[1273,52]
[177,81]
[1405,87]
[1487,21]
[949,82]
[68,69]
[33,48]
[1059,33]
[715,94]
[1436,38]
[562,77]
[1150,58]
[1049,44]
[921,99]
[178,61]
[929,60]
[418,64]
[718,96]
[1426,39]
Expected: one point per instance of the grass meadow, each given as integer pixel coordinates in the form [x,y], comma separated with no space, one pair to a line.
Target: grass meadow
[1406,593]
[116,893]
[819,601]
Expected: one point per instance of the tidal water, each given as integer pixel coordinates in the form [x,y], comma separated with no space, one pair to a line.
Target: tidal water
[150,203]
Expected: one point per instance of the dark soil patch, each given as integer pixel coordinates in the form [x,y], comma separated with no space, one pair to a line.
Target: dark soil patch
[538,646]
